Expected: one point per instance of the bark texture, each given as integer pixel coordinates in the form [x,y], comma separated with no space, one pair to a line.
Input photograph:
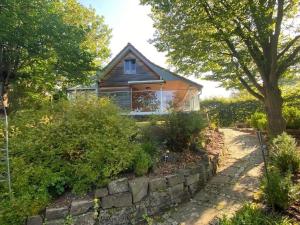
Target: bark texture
[273,105]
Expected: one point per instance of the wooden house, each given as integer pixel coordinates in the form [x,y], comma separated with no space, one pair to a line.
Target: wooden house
[141,87]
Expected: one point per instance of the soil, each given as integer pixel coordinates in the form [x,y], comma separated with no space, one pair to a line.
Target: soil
[214,143]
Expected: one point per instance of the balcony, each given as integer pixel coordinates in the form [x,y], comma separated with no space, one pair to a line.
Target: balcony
[147,102]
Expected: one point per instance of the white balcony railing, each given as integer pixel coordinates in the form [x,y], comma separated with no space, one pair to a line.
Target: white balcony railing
[143,102]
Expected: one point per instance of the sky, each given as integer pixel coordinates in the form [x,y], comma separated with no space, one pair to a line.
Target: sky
[130,22]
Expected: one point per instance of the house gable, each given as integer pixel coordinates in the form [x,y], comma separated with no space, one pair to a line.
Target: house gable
[116,76]
[113,74]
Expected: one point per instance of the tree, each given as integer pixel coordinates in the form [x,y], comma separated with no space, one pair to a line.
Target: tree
[48,45]
[248,44]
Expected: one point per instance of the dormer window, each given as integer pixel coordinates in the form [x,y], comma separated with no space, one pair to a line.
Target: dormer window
[129,66]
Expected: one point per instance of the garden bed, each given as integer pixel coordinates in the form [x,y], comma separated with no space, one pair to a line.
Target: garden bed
[128,199]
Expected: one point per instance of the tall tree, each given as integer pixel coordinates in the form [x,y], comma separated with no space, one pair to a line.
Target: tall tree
[244,43]
[45,45]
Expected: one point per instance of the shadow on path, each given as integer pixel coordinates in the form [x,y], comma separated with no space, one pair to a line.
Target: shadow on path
[236,181]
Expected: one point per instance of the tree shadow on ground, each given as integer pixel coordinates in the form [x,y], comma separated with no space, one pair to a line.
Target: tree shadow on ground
[236,180]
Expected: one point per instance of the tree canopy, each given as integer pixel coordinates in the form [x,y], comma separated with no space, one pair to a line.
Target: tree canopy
[48,45]
[244,44]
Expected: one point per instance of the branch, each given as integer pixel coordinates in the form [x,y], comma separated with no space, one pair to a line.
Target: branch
[250,90]
[288,46]
[263,33]
[274,39]
[232,49]
[278,21]
[253,49]
[244,67]
[290,60]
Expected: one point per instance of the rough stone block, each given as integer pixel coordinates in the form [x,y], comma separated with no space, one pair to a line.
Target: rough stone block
[104,217]
[139,188]
[35,220]
[184,172]
[196,169]
[159,198]
[118,186]
[140,211]
[115,216]
[157,184]
[101,192]
[55,222]
[56,213]
[175,179]
[84,219]
[117,200]
[159,201]
[81,206]
[178,193]
[107,201]
[191,179]
[193,188]
[202,174]
[123,199]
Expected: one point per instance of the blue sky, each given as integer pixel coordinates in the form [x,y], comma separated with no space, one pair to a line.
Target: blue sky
[130,22]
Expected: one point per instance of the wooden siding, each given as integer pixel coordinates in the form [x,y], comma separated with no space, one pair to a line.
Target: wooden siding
[117,77]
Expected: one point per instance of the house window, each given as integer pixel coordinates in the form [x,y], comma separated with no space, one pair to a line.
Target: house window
[129,66]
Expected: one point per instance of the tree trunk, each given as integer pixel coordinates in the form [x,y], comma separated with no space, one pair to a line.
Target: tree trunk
[273,106]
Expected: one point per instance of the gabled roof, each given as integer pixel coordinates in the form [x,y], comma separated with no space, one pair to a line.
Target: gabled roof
[163,73]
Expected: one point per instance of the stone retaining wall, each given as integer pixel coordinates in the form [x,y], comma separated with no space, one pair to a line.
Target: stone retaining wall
[126,201]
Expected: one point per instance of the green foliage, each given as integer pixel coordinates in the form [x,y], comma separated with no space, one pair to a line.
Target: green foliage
[227,41]
[278,190]
[228,112]
[181,128]
[292,117]
[142,164]
[284,154]
[241,109]
[291,114]
[259,121]
[71,145]
[53,45]
[252,214]
[199,40]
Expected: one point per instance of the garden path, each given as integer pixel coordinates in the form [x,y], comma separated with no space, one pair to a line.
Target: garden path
[236,182]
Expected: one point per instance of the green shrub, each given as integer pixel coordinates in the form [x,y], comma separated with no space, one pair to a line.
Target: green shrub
[72,145]
[251,214]
[292,116]
[238,109]
[229,111]
[278,189]
[142,163]
[284,154]
[181,128]
[259,121]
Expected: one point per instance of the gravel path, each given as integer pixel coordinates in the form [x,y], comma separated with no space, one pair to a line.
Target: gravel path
[236,181]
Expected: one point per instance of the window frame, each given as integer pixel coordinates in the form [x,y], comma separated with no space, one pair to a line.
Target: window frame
[130,63]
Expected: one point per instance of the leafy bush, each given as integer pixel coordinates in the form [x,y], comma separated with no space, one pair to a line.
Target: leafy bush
[229,111]
[181,128]
[238,109]
[259,121]
[292,117]
[69,146]
[142,163]
[278,190]
[251,214]
[284,154]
